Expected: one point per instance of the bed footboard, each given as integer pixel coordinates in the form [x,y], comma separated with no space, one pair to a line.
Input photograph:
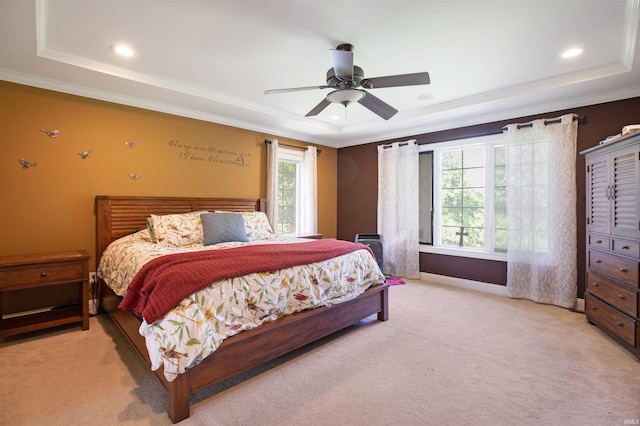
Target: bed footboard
[254,347]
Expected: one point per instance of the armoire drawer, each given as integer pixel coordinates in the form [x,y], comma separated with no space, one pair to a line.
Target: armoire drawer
[598,241]
[624,247]
[608,317]
[623,270]
[620,297]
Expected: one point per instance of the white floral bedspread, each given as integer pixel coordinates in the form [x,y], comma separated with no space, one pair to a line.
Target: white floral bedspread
[199,324]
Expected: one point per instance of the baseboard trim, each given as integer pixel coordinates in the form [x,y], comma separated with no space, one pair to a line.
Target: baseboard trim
[497,289]
[25,313]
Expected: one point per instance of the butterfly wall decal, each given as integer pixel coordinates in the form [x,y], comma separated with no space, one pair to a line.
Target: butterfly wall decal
[26,164]
[85,154]
[51,133]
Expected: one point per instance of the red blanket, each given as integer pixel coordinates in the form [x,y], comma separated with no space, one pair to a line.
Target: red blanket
[165,281]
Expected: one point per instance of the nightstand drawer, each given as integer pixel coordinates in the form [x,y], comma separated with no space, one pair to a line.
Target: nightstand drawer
[617,322]
[42,274]
[622,298]
[623,270]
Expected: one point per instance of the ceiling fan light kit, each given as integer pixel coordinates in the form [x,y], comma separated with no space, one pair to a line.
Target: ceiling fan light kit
[347,79]
[345,96]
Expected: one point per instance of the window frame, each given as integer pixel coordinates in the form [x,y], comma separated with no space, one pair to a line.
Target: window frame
[426,206]
[488,252]
[297,157]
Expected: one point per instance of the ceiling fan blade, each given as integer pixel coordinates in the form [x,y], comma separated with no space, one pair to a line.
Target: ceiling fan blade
[294,89]
[342,64]
[378,106]
[414,79]
[319,108]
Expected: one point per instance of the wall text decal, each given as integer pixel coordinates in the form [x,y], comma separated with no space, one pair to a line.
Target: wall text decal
[210,154]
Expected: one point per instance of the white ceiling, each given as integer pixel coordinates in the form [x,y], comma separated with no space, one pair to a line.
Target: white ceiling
[212,60]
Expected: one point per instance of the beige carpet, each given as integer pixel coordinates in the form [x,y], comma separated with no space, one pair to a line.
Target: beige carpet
[447,356]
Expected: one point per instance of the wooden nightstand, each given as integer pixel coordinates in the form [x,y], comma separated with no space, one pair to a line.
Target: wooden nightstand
[39,270]
[310,236]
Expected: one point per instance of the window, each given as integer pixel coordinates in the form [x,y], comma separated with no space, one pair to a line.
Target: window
[462,197]
[500,198]
[468,182]
[426,197]
[290,164]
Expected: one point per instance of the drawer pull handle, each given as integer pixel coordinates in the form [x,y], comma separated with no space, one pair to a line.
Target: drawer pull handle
[43,275]
[599,242]
[593,308]
[620,297]
[598,261]
[595,284]
[618,323]
[625,247]
[623,269]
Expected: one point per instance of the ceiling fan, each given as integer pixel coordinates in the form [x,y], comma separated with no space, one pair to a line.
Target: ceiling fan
[348,81]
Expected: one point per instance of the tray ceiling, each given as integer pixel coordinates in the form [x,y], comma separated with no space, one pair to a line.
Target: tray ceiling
[213,60]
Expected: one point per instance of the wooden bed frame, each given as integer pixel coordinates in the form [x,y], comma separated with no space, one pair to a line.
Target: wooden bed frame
[117,216]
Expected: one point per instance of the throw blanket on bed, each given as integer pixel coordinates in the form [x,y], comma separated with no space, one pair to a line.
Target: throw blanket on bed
[165,281]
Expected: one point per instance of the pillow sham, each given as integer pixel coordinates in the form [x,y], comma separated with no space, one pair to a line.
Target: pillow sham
[177,230]
[222,228]
[256,225]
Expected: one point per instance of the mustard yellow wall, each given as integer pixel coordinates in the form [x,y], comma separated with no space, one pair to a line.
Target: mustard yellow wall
[49,207]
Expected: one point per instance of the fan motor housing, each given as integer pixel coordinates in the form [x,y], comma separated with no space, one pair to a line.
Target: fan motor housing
[333,81]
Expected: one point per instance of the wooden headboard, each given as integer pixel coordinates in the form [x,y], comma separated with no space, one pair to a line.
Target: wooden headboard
[118,216]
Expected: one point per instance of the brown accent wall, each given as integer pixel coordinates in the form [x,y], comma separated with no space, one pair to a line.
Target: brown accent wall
[482,270]
[49,207]
[357,185]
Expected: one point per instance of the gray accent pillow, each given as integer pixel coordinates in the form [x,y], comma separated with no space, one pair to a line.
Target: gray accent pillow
[223,228]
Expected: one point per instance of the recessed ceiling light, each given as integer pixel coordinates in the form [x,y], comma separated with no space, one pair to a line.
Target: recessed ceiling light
[335,117]
[122,50]
[571,53]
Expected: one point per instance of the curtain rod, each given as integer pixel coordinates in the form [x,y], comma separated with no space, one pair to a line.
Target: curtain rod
[400,144]
[302,148]
[582,119]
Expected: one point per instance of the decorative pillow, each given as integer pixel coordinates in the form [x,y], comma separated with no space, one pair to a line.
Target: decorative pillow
[256,225]
[181,229]
[222,228]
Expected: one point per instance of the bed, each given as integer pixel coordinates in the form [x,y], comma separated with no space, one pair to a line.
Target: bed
[120,216]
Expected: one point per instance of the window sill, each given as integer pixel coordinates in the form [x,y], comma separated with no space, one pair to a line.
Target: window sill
[425,248]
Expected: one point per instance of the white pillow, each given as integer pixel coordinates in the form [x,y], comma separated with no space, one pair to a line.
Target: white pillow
[181,229]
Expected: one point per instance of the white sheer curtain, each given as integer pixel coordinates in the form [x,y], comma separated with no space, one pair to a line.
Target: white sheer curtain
[309,205]
[272,182]
[398,215]
[541,211]
[308,214]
